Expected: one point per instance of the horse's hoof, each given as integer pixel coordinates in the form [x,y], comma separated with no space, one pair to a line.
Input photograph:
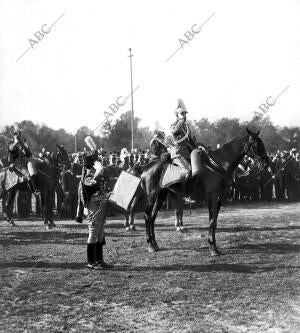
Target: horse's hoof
[151,248]
[52,224]
[127,229]
[12,223]
[132,228]
[214,253]
[48,227]
[156,248]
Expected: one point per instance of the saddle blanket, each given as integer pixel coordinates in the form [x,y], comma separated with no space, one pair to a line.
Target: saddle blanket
[125,189]
[171,174]
[11,179]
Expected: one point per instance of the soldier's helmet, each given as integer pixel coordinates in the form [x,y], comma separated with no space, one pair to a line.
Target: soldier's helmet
[180,107]
[160,135]
[124,153]
[16,130]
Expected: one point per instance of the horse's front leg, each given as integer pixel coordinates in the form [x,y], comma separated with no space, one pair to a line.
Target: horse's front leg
[147,217]
[50,205]
[214,205]
[43,208]
[158,203]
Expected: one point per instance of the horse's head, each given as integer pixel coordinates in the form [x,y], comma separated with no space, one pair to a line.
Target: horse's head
[256,147]
[62,157]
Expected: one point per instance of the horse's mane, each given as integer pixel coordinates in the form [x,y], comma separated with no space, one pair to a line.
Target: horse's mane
[229,143]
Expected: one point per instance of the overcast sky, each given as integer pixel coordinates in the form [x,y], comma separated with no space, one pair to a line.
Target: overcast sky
[245,52]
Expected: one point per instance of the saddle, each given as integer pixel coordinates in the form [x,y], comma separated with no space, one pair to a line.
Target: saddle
[171,174]
[200,160]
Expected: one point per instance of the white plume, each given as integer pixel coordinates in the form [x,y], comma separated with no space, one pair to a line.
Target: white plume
[90,143]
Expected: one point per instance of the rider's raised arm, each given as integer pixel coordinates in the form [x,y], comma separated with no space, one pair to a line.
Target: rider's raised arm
[176,127]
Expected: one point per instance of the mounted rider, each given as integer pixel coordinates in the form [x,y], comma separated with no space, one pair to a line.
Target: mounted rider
[19,157]
[183,145]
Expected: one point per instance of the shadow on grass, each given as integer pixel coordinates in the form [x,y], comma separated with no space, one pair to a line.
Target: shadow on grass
[53,237]
[222,267]
[278,248]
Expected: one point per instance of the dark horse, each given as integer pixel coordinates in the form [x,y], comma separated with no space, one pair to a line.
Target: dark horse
[228,157]
[48,175]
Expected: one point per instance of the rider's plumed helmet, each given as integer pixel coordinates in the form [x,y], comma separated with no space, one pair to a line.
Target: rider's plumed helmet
[180,107]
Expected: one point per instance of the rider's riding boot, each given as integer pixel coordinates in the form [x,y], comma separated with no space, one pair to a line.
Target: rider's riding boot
[188,189]
[11,167]
[33,184]
[99,256]
[90,251]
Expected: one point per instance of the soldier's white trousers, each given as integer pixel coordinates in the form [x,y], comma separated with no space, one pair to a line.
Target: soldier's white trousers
[96,216]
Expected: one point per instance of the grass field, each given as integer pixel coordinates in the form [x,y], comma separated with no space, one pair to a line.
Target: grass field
[252,287]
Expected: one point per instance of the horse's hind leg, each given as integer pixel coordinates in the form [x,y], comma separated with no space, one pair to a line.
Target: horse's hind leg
[178,216]
[129,222]
[214,205]
[8,206]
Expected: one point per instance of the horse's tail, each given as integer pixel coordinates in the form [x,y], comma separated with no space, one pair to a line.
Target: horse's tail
[3,172]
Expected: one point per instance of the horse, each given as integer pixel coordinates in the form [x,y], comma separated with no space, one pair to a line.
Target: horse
[178,202]
[228,157]
[47,178]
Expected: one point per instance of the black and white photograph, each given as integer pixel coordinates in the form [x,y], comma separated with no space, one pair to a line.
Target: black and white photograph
[150,166]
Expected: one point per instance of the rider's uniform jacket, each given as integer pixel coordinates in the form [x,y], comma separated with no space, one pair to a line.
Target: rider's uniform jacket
[157,147]
[94,188]
[17,149]
[182,138]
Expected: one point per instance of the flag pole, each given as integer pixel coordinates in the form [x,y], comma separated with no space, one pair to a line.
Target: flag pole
[132,111]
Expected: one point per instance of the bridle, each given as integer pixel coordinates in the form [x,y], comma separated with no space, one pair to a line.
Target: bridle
[252,146]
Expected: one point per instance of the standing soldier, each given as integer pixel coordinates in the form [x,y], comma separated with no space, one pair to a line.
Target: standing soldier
[94,195]
[70,185]
[184,143]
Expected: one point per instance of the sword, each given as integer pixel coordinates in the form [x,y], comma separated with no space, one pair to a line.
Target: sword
[279,171]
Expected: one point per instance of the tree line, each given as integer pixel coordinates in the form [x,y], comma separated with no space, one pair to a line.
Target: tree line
[117,134]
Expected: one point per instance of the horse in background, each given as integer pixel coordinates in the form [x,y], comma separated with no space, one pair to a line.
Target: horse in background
[47,178]
[228,158]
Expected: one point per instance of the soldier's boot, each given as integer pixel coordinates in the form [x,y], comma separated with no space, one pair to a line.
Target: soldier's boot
[90,251]
[188,189]
[33,184]
[101,264]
